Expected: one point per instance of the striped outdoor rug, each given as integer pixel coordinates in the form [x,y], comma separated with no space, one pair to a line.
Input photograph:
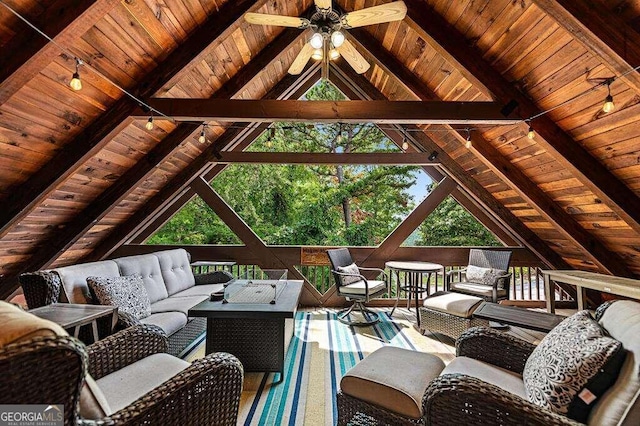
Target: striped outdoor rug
[321,351]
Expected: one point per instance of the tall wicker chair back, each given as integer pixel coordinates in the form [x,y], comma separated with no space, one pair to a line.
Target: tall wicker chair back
[487,275]
[44,370]
[351,284]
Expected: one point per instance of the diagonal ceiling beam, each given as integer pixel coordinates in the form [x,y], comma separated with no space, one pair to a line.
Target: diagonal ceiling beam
[601,32]
[534,243]
[97,134]
[289,87]
[130,180]
[569,154]
[589,245]
[490,222]
[27,53]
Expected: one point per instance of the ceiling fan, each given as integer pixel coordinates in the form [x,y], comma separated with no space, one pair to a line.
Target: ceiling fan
[328,41]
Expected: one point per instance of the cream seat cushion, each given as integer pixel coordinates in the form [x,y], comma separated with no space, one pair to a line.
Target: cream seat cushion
[393,378]
[460,305]
[126,385]
[500,377]
[358,288]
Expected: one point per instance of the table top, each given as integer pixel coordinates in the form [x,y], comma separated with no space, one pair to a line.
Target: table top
[413,266]
[608,283]
[285,307]
[213,263]
[519,317]
[73,314]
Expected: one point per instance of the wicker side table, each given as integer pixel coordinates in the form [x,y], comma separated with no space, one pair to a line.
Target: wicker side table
[450,313]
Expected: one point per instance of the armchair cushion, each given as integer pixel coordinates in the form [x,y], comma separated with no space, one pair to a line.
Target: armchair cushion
[18,325]
[127,293]
[126,385]
[478,289]
[572,366]
[358,288]
[500,377]
[486,276]
[349,269]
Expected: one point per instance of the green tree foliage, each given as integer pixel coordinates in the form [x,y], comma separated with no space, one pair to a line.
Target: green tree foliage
[315,205]
[451,225]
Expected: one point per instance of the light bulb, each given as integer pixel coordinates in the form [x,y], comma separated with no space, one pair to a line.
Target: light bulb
[149,124]
[269,143]
[337,38]
[334,54]
[202,138]
[316,41]
[468,144]
[608,104]
[531,134]
[75,83]
[405,145]
[317,54]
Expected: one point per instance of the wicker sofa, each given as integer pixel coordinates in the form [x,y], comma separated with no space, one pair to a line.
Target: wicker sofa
[172,287]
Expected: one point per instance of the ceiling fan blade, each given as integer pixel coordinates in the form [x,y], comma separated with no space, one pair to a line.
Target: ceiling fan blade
[353,57]
[279,20]
[301,60]
[394,11]
[323,4]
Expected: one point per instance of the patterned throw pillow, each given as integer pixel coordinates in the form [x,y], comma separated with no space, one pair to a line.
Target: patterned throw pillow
[486,276]
[572,367]
[349,269]
[127,293]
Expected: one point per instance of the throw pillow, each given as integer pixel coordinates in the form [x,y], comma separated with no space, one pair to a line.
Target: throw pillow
[572,367]
[486,276]
[127,293]
[349,269]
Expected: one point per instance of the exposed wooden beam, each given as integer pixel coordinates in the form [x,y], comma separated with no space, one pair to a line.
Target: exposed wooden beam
[601,32]
[377,158]
[570,155]
[330,111]
[87,144]
[473,188]
[27,53]
[590,246]
[267,258]
[289,86]
[495,226]
[399,235]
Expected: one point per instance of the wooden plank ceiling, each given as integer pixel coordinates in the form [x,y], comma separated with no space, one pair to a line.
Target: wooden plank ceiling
[76,168]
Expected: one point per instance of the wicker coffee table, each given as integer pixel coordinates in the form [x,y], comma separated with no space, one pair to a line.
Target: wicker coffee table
[257,333]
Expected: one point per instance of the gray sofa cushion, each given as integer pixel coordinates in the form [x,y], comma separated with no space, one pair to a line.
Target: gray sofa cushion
[176,270]
[126,385]
[170,322]
[127,293]
[620,405]
[177,304]
[199,290]
[74,279]
[148,266]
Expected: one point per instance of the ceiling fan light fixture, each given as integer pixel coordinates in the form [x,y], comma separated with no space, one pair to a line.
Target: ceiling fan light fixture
[334,54]
[337,39]
[317,54]
[317,40]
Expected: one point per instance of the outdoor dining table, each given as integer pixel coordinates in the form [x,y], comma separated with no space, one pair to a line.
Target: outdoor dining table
[415,271]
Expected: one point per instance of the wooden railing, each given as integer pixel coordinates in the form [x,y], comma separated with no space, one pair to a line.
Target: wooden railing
[311,262]
[526,281]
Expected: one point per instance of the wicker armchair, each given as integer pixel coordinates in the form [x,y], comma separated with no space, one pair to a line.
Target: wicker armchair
[475,388]
[52,369]
[498,289]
